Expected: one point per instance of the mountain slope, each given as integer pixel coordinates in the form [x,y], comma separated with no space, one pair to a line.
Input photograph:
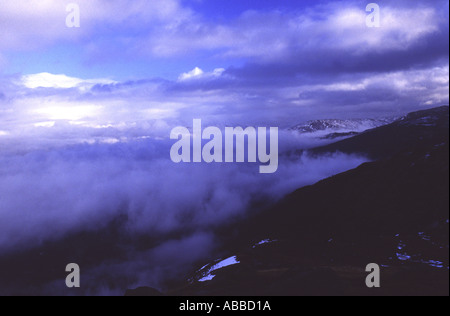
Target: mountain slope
[408,133]
[393,212]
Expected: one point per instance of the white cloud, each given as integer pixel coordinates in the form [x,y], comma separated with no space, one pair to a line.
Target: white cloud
[47,80]
[67,111]
[198,73]
[45,124]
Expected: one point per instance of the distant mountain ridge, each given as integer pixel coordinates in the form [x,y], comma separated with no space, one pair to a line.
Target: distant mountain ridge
[337,125]
[412,131]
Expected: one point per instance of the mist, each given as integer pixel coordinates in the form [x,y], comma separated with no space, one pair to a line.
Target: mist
[53,192]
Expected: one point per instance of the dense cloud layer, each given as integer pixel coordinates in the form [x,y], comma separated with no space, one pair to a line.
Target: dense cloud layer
[47,195]
[86,186]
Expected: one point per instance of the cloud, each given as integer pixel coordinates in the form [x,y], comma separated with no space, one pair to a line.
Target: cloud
[403,87]
[36,24]
[31,23]
[197,73]
[138,178]
[3,62]
[83,108]
[47,80]
[51,191]
[52,145]
[269,36]
[169,28]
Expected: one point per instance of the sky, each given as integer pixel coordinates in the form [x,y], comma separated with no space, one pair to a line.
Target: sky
[153,33]
[86,113]
[264,62]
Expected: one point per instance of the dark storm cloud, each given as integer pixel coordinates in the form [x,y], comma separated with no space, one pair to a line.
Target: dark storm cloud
[327,65]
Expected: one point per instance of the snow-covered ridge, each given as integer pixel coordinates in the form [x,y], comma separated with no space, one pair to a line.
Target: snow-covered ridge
[208,275]
[341,126]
